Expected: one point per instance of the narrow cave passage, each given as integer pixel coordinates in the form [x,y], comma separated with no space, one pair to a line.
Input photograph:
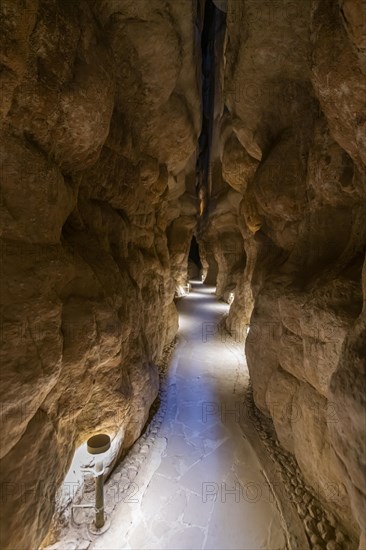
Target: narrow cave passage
[213,19]
[202,484]
[194,252]
[127,127]
[195,267]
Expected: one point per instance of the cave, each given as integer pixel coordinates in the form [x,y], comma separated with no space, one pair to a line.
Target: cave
[183,274]
[194,267]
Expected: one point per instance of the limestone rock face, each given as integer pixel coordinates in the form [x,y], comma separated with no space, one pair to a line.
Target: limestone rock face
[100,117]
[100,114]
[347,391]
[338,71]
[291,146]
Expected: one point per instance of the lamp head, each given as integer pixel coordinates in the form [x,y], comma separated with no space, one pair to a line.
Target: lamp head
[98,444]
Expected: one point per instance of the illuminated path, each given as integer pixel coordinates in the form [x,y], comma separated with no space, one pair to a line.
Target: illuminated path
[202,486]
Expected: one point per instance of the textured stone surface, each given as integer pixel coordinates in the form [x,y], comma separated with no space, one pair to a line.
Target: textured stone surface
[307,522]
[101,114]
[201,485]
[292,146]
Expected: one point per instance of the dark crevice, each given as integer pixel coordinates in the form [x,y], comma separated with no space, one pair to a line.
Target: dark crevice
[194,253]
[213,19]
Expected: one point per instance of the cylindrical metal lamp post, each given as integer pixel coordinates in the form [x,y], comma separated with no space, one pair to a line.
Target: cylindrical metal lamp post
[99,444]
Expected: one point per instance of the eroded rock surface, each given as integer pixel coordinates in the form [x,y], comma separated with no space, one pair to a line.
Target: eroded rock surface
[290,127]
[101,115]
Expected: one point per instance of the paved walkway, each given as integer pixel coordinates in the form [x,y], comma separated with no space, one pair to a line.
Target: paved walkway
[202,487]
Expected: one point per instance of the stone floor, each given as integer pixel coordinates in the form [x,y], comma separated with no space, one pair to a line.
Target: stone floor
[202,486]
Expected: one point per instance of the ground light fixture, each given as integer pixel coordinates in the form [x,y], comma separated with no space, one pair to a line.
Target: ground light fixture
[97,445]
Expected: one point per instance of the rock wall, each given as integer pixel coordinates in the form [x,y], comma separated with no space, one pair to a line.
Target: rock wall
[100,114]
[290,178]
